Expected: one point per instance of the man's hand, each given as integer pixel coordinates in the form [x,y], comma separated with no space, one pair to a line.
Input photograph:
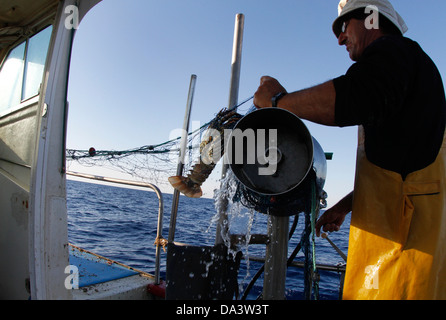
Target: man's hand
[268,88]
[331,221]
[333,218]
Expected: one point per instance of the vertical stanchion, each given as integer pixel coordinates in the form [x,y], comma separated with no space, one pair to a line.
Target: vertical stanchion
[184,134]
[233,98]
[236,62]
[276,258]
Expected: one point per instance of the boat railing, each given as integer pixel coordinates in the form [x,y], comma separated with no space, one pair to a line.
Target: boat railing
[159,238]
[161,242]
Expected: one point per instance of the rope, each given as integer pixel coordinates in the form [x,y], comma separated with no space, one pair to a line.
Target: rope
[160,241]
[314,209]
[311,275]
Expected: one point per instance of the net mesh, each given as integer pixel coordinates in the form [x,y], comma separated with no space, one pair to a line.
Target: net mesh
[152,163]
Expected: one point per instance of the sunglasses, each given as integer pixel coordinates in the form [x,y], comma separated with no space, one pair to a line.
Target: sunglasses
[344,26]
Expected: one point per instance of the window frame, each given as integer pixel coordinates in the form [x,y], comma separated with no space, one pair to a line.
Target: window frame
[25,102]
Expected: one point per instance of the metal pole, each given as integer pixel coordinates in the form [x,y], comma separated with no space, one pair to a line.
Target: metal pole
[276,259]
[233,98]
[236,59]
[184,134]
[325,236]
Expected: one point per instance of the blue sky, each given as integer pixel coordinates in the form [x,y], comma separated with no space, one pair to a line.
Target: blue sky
[132,62]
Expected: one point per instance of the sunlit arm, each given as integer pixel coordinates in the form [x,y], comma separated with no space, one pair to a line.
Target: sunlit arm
[316,104]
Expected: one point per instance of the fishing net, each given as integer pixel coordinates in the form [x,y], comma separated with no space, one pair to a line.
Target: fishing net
[152,163]
[289,204]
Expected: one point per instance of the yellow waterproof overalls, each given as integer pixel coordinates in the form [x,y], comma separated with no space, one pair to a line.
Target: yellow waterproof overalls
[397,244]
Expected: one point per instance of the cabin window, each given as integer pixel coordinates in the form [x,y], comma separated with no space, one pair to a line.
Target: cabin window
[35,62]
[22,71]
[11,78]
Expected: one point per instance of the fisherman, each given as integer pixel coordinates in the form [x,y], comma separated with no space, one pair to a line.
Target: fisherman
[394,93]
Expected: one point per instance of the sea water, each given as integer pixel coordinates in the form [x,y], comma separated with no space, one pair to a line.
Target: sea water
[121,224]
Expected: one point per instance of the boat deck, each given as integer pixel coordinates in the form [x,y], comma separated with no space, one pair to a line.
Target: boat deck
[102,278]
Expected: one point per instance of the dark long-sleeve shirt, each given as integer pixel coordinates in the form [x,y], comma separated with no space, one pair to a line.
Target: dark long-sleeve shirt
[395,91]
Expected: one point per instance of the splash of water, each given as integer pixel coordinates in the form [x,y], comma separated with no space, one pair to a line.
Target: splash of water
[239,222]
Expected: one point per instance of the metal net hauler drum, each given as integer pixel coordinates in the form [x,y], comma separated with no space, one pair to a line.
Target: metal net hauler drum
[276,160]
